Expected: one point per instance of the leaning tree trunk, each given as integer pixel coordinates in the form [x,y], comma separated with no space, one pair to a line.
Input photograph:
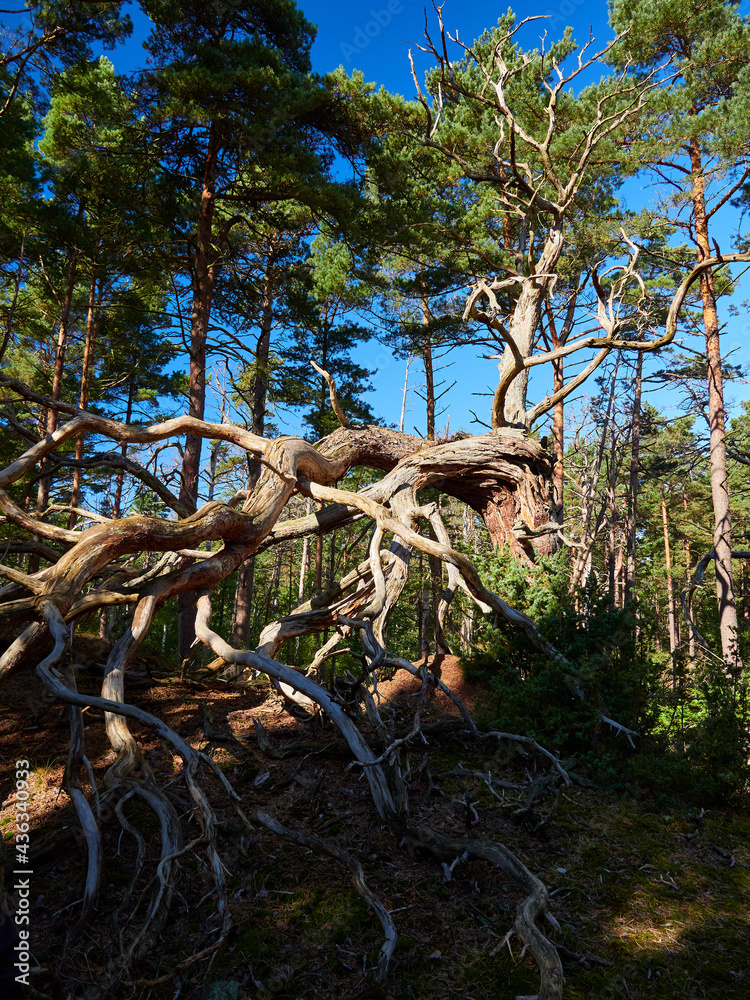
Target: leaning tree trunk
[498,470]
[509,407]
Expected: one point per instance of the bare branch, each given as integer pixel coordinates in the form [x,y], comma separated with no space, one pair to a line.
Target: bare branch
[342,418]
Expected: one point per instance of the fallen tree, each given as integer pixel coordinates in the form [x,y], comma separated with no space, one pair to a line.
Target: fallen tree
[502,475]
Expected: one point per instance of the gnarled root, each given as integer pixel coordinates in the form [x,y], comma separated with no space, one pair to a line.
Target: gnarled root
[535,904]
[387,794]
[358,877]
[124,788]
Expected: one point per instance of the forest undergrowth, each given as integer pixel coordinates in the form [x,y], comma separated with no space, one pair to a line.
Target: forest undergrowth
[651,891]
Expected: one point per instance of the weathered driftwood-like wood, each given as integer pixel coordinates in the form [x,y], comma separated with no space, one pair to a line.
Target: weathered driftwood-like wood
[504,476]
[501,475]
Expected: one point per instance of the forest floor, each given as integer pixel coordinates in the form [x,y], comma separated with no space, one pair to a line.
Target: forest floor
[652,901]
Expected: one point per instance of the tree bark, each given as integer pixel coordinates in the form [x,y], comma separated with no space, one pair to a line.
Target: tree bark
[429,374]
[204,272]
[117,502]
[92,325]
[558,340]
[318,564]
[262,352]
[635,444]
[716,416]
[670,584]
[688,578]
[558,447]
[246,576]
[58,369]
[424,613]
[243,603]
[509,407]
[403,399]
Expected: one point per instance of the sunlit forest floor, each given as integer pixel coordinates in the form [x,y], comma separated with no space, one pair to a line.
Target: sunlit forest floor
[652,898]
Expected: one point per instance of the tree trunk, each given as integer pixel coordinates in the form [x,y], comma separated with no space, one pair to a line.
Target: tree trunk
[429,374]
[92,324]
[510,411]
[243,603]
[558,340]
[273,593]
[303,569]
[619,582]
[438,631]
[467,616]
[558,447]
[117,502]
[718,452]
[613,522]
[424,613]
[688,577]
[612,556]
[243,597]
[318,564]
[262,352]
[58,369]
[204,272]
[635,443]
[403,399]
[670,586]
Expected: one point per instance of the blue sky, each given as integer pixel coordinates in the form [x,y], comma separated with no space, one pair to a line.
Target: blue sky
[376,38]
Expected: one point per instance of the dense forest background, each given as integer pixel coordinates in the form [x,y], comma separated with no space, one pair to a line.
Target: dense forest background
[223,235]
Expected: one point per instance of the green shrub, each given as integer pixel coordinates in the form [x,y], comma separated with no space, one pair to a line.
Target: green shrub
[561,703]
[694,740]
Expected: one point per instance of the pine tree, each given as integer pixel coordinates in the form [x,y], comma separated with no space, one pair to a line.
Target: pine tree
[697,120]
[324,330]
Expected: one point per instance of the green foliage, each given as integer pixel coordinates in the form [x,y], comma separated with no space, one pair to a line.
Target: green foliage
[694,733]
[701,751]
[561,704]
[324,329]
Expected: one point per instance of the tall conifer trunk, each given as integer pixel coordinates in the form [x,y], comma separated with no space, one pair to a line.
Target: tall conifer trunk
[635,444]
[59,364]
[204,272]
[717,424]
[429,374]
[243,597]
[92,324]
[117,502]
[671,624]
[558,447]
